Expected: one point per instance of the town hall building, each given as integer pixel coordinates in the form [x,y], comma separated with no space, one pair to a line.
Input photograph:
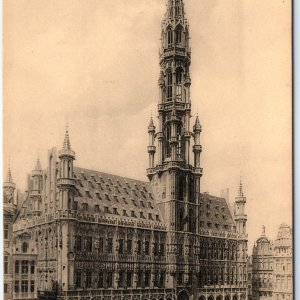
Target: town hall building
[85,234]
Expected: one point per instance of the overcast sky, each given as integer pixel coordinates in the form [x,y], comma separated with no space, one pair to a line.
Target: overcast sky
[95,62]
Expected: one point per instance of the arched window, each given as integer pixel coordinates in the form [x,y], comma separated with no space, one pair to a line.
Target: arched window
[179,147]
[191,220]
[169,85]
[25,247]
[177,10]
[170,37]
[181,219]
[178,35]
[168,138]
[181,187]
[179,83]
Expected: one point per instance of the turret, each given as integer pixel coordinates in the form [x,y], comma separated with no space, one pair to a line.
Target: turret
[151,147]
[66,181]
[36,189]
[240,216]
[9,188]
[197,148]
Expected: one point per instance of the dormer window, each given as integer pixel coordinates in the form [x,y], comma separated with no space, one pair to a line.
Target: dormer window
[132,213]
[107,197]
[141,214]
[115,211]
[84,206]
[97,209]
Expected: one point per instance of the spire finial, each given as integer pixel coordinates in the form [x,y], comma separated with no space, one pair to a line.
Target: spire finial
[151,127]
[263,230]
[9,176]
[38,166]
[241,194]
[67,144]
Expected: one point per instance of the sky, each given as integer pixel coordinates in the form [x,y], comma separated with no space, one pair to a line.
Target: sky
[95,64]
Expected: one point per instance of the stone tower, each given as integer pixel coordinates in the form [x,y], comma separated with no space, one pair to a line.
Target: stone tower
[66,190]
[240,219]
[66,181]
[240,216]
[174,176]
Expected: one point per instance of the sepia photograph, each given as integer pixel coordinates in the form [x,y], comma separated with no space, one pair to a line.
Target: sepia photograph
[147,150]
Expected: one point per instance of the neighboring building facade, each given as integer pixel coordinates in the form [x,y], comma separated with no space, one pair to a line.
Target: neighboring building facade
[283,264]
[262,260]
[272,273]
[96,235]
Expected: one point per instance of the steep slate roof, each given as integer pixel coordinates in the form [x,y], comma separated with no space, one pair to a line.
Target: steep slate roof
[115,192]
[215,213]
[133,199]
[115,195]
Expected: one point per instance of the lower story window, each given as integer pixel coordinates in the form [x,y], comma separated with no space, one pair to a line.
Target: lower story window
[78,279]
[24,286]
[100,280]
[129,279]
[32,286]
[5,288]
[89,279]
[109,279]
[17,290]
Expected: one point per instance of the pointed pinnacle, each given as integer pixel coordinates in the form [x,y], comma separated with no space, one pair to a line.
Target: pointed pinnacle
[263,232]
[38,166]
[151,127]
[241,194]
[67,144]
[197,126]
[9,177]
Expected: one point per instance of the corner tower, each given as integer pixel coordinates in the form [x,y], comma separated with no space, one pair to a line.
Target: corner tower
[66,181]
[175,177]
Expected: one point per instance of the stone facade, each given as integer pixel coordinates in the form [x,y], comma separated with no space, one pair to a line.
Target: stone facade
[272,273]
[283,264]
[99,236]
